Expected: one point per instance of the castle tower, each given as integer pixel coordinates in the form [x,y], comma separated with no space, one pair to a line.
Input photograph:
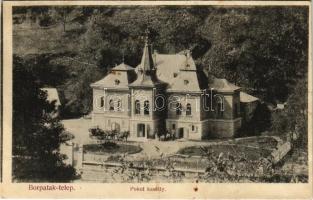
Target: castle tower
[146,117]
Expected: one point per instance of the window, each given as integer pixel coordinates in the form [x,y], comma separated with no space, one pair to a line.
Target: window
[220,110]
[101,102]
[193,127]
[174,75]
[186,82]
[173,126]
[146,108]
[117,82]
[111,104]
[137,107]
[178,109]
[188,109]
[119,105]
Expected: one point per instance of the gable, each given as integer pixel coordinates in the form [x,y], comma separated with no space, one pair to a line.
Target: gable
[119,78]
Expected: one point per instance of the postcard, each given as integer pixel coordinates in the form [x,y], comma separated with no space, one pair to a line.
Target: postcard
[156,99]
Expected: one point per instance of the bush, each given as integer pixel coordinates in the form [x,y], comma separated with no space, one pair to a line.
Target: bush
[109,145]
[46,20]
[66,136]
[112,148]
[260,122]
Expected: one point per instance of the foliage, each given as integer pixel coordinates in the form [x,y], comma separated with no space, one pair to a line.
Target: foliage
[36,131]
[110,147]
[66,136]
[293,119]
[252,153]
[62,14]
[46,21]
[212,167]
[101,135]
[77,91]
[260,122]
[238,168]
[262,49]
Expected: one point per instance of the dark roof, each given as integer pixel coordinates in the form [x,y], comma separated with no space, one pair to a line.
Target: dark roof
[146,73]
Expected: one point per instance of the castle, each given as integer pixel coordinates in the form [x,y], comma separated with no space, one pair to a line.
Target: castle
[166,93]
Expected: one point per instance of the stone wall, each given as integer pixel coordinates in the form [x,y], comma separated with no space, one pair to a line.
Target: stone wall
[221,128]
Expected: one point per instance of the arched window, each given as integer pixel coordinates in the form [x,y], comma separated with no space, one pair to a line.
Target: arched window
[101,102]
[137,107]
[178,109]
[188,109]
[119,105]
[111,104]
[146,108]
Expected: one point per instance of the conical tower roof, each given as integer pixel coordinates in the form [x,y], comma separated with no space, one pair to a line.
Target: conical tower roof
[146,71]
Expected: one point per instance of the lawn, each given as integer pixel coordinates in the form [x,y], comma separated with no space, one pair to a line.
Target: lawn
[111,148]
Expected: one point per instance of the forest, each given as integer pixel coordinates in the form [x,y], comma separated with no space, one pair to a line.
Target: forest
[264,50]
[261,49]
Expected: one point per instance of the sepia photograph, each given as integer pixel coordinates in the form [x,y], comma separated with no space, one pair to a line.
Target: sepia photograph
[160,94]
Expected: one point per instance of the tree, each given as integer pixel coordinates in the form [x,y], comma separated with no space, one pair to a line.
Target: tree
[294,119]
[260,122]
[36,131]
[63,14]
[297,111]
[262,49]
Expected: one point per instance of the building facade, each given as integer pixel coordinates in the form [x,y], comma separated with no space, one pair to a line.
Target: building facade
[166,94]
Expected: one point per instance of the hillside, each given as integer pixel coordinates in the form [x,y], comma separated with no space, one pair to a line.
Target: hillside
[264,50]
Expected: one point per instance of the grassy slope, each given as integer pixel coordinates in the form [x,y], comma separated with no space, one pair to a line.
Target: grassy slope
[29,39]
[61,47]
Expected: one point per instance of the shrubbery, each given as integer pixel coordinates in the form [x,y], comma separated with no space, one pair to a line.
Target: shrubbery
[37,132]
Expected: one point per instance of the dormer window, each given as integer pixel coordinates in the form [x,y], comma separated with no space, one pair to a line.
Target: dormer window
[117,82]
[186,82]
